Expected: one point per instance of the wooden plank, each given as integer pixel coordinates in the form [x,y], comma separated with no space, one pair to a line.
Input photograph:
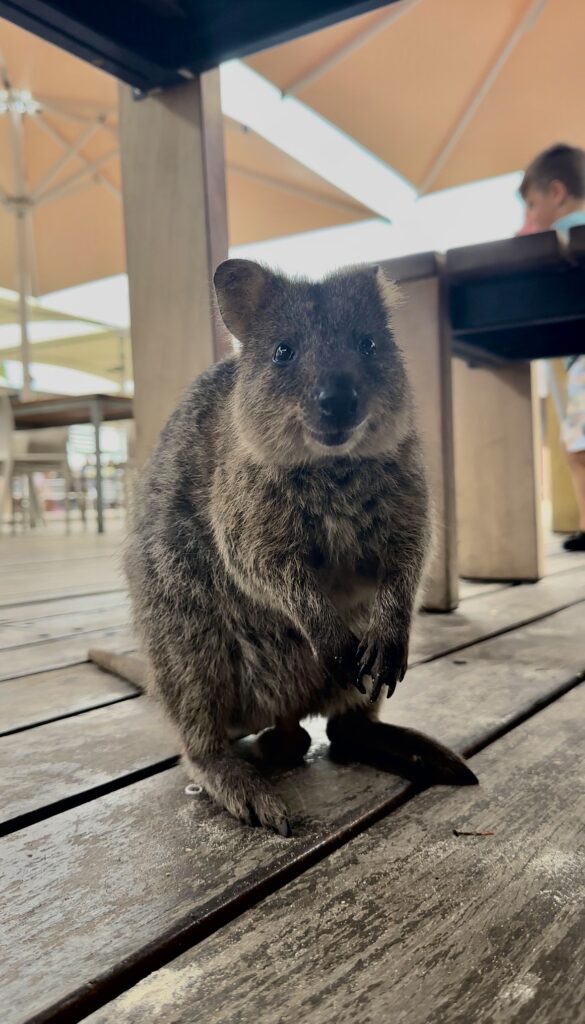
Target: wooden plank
[31,700]
[54,626]
[83,564]
[13,565]
[45,766]
[422,332]
[477,588]
[493,613]
[58,593]
[59,653]
[32,584]
[565,561]
[111,599]
[175,218]
[144,868]
[409,922]
[497,472]
[45,549]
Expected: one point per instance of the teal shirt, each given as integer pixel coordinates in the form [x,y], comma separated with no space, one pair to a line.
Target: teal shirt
[571,220]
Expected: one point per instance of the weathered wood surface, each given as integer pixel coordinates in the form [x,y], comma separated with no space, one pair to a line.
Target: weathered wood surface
[27,582]
[40,767]
[564,561]
[491,613]
[184,862]
[410,923]
[175,219]
[74,565]
[475,588]
[33,610]
[496,427]
[31,700]
[65,759]
[40,549]
[485,615]
[59,626]
[59,653]
[422,330]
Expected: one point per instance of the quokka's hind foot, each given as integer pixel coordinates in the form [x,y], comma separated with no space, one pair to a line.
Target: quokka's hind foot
[283,745]
[411,754]
[238,787]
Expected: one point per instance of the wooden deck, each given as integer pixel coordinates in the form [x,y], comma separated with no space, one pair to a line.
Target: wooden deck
[126,900]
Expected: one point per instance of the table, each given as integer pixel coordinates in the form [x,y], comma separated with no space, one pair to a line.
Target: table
[69,410]
[472,322]
[518,299]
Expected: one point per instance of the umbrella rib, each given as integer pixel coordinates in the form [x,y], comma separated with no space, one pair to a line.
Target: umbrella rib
[56,135]
[69,109]
[527,19]
[353,44]
[90,169]
[72,149]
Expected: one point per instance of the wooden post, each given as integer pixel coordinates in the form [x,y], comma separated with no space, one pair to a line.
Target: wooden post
[497,472]
[176,233]
[423,333]
[565,511]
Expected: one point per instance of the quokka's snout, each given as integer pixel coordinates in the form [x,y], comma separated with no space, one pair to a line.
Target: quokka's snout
[337,408]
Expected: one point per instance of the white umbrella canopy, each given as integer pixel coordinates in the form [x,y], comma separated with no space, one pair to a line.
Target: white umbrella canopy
[61,218]
[445,91]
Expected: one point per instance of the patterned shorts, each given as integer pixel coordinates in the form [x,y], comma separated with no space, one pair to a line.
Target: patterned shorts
[573,428]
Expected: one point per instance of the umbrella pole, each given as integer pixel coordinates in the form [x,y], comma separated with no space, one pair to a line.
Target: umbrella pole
[23,291]
[21,211]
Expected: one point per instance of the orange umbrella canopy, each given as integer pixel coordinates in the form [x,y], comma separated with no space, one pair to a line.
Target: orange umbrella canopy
[60,167]
[446,91]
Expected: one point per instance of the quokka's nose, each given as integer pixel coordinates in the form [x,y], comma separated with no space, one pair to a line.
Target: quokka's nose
[338,403]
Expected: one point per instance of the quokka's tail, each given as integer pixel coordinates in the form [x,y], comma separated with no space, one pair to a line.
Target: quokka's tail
[131,667]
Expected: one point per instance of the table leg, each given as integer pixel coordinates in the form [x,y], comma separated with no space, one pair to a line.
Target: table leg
[565,511]
[423,333]
[497,471]
[96,419]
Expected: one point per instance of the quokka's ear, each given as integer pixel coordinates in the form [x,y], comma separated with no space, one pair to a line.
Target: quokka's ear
[243,289]
[389,291]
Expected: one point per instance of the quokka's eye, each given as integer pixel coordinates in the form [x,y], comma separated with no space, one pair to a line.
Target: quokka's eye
[283,353]
[367,346]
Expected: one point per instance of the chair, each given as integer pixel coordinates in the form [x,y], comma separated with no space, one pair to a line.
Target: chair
[42,454]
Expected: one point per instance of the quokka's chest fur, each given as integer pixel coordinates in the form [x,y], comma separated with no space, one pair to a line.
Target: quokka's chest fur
[337,517]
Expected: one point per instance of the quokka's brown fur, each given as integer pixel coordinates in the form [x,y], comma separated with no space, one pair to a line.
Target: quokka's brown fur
[280,534]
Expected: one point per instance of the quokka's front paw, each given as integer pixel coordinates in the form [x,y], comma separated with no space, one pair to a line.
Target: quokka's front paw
[339,660]
[384,660]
